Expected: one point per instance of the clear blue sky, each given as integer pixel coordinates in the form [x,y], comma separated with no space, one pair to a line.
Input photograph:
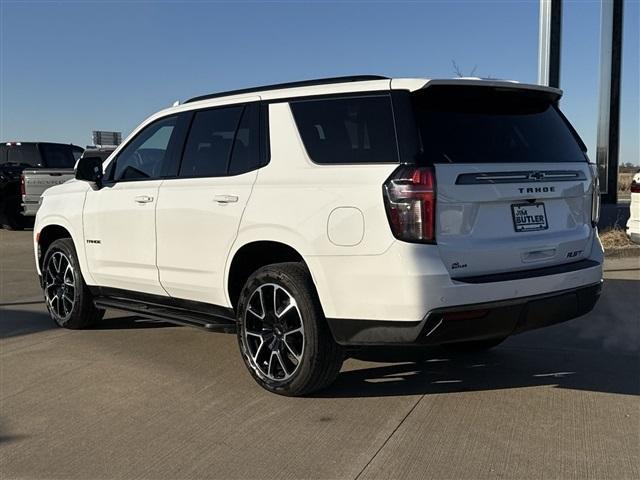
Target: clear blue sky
[70,67]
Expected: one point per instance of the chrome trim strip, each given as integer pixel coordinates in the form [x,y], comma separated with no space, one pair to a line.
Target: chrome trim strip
[531,176]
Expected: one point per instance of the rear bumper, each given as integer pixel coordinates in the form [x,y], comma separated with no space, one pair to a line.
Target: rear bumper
[409,280]
[471,322]
[29,209]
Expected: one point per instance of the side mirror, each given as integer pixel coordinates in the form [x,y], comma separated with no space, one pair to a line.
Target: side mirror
[89,169]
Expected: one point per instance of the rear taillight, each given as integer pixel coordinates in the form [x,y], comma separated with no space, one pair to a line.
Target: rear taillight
[595,196]
[22,186]
[410,201]
[635,187]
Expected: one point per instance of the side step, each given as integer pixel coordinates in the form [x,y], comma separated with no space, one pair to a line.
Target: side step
[179,316]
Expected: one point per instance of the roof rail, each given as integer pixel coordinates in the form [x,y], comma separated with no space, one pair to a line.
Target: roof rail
[277,86]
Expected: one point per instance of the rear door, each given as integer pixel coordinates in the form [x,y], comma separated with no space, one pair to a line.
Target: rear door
[200,209]
[514,189]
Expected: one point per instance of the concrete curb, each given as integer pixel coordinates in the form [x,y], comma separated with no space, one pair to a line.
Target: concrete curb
[623,252]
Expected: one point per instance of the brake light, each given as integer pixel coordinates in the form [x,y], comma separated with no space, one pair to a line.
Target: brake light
[22,185]
[635,187]
[410,201]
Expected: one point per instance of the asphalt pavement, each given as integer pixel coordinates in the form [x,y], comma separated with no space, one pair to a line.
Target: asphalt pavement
[137,399]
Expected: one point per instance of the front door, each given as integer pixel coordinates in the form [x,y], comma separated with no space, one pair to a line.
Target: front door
[120,218]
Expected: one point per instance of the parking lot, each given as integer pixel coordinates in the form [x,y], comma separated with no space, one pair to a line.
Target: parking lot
[135,399]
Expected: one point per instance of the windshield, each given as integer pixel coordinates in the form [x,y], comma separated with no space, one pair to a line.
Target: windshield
[488,125]
[59,155]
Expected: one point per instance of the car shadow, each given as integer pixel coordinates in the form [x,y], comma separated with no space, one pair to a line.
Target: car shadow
[504,368]
[15,322]
[130,322]
[599,352]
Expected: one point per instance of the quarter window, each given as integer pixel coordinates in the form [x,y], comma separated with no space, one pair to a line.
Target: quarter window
[143,158]
[349,130]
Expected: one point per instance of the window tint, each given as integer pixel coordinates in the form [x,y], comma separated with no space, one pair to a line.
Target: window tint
[483,125]
[246,145]
[144,156]
[25,154]
[59,156]
[347,130]
[206,153]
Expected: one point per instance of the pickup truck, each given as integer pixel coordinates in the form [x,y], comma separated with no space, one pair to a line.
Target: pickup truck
[15,158]
[34,182]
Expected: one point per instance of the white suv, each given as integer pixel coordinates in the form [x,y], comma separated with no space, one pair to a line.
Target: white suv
[318,216]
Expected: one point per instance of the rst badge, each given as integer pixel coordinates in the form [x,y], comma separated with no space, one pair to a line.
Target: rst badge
[529,217]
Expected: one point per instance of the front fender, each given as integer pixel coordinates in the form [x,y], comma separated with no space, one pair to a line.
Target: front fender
[64,209]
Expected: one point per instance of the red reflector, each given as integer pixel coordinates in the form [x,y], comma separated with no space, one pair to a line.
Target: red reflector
[465,315]
[22,187]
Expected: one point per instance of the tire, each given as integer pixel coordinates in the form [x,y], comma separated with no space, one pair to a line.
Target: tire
[10,216]
[66,295]
[475,346]
[291,352]
[11,227]
[12,222]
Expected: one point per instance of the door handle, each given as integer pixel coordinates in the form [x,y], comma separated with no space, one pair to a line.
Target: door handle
[224,199]
[144,199]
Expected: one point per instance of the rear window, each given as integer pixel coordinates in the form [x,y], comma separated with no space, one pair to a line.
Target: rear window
[486,125]
[347,130]
[59,155]
[24,155]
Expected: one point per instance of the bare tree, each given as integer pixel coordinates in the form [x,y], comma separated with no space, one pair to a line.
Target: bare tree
[458,71]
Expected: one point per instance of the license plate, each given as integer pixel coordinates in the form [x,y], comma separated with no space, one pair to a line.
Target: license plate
[529,217]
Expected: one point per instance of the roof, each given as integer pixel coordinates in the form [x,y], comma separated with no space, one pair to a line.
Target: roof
[356,83]
[328,86]
[280,86]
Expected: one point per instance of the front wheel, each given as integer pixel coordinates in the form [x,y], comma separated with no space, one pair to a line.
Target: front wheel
[67,297]
[283,335]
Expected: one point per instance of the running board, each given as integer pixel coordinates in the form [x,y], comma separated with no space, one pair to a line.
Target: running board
[179,316]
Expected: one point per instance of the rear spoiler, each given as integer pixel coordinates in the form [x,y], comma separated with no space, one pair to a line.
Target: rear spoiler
[554,94]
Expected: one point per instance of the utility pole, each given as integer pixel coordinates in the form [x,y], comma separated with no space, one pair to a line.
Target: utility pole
[607,150]
[549,43]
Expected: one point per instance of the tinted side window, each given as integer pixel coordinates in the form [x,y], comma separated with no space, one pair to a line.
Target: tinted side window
[143,157]
[209,144]
[246,145]
[347,130]
[59,156]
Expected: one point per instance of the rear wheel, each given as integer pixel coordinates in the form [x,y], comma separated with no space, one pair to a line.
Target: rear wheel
[67,297]
[283,335]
